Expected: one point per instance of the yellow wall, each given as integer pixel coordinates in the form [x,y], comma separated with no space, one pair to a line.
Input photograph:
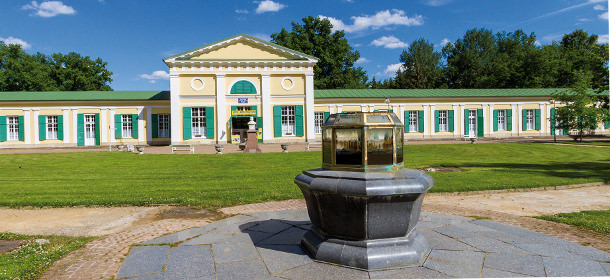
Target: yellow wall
[276,84]
[242,50]
[208,89]
[350,108]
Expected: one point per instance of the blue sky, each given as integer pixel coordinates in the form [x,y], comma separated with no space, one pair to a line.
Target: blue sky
[133,36]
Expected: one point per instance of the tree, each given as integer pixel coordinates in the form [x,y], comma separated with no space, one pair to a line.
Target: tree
[580,52]
[421,66]
[581,111]
[20,71]
[335,68]
[469,60]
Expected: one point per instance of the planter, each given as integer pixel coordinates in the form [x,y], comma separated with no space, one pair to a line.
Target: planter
[219,149]
[140,149]
[284,147]
[473,140]
[121,147]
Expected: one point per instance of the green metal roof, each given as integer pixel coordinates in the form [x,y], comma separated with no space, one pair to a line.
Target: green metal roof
[427,93]
[82,95]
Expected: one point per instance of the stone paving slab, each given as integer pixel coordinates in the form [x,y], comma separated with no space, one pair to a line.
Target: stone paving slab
[266,246]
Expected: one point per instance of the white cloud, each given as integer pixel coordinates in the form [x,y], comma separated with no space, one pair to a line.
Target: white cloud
[263,36]
[378,20]
[602,39]
[242,11]
[537,43]
[437,3]
[157,75]
[604,16]
[16,41]
[362,60]
[389,42]
[268,6]
[49,9]
[445,41]
[599,8]
[392,69]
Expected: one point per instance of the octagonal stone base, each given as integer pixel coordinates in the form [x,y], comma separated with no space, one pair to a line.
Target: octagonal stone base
[409,251]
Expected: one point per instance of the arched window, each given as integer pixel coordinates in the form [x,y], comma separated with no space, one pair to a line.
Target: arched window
[243,87]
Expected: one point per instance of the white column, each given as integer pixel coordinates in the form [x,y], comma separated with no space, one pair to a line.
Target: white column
[66,127]
[395,109]
[548,119]
[519,118]
[309,107]
[266,106]
[543,129]
[174,88]
[485,127]
[221,109]
[491,119]
[401,113]
[426,120]
[26,126]
[455,121]
[433,121]
[514,115]
[332,109]
[363,108]
[461,120]
[339,109]
[140,125]
[74,126]
[149,125]
[104,129]
[36,130]
[112,128]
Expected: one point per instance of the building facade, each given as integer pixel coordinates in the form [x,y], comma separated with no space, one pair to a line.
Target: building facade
[217,88]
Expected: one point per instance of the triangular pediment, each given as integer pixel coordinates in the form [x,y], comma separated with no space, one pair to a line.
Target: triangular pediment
[241,48]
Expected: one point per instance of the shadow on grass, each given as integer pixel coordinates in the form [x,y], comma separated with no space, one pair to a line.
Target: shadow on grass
[598,169]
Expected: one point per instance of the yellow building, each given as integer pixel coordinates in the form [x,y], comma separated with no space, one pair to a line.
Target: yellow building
[217,88]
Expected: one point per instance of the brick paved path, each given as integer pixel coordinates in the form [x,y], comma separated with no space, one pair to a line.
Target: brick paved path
[102,258]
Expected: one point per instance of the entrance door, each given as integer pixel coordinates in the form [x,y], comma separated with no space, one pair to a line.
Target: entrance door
[472,123]
[239,126]
[89,130]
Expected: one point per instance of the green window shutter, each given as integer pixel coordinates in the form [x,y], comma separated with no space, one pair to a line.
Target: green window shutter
[42,127]
[466,130]
[480,123]
[420,121]
[118,127]
[60,127]
[255,109]
[607,125]
[80,129]
[299,120]
[326,115]
[21,129]
[3,128]
[97,130]
[509,119]
[552,121]
[277,121]
[406,121]
[134,126]
[451,121]
[169,125]
[155,125]
[233,108]
[496,120]
[436,121]
[186,123]
[243,87]
[538,119]
[209,122]
[524,119]
[259,125]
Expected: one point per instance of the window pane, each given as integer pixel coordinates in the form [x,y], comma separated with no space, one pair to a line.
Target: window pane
[163,126]
[318,120]
[198,122]
[51,127]
[288,120]
[413,125]
[348,148]
[380,146]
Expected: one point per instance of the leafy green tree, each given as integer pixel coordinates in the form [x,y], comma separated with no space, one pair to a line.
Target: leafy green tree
[470,60]
[20,71]
[335,68]
[422,66]
[581,111]
[580,52]
[517,61]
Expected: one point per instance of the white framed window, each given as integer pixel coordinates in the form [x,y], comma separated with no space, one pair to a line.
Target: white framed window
[127,126]
[530,118]
[413,121]
[13,128]
[51,127]
[501,120]
[318,121]
[443,121]
[163,126]
[288,121]
[198,122]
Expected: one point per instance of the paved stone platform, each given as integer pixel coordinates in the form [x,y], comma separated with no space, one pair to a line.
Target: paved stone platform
[266,246]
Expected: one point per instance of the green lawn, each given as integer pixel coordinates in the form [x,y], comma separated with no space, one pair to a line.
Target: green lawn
[590,143]
[119,178]
[595,220]
[31,258]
